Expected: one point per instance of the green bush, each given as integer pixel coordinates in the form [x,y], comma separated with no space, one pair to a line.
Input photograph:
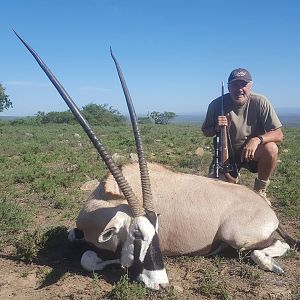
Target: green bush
[102,114]
[95,114]
[162,118]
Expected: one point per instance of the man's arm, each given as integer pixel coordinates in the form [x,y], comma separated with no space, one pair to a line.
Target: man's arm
[208,126]
[209,132]
[222,121]
[274,136]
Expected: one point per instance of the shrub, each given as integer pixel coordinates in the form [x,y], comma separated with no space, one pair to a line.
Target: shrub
[95,114]
[162,118]
[102,114]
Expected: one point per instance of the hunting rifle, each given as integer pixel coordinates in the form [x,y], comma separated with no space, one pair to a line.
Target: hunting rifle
[221,154]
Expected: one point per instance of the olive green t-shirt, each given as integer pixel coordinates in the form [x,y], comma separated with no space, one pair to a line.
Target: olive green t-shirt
[254,118]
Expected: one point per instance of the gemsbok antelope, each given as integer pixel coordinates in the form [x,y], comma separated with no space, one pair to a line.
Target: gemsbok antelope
[198,215]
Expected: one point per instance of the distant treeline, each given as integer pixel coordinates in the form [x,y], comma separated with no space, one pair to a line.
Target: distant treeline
[95,114]
[106,115]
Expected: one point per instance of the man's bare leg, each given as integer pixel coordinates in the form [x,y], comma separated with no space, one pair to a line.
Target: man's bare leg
[266,156]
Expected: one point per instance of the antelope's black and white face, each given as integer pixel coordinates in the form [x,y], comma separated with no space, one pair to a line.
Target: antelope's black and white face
[141,252]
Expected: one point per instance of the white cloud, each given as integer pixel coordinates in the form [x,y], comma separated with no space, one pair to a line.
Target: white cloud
[17,83]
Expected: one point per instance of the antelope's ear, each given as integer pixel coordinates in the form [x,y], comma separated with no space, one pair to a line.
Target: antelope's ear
[113,227]
[107,234]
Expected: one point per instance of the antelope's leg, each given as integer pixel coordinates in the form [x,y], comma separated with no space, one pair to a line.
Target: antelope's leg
[264,257]
[90,261]
[277,249]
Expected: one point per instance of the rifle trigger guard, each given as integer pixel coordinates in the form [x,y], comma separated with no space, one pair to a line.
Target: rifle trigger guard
[226,168]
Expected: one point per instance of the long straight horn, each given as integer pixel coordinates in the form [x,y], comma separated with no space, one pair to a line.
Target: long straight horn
[145,179]
[133,202]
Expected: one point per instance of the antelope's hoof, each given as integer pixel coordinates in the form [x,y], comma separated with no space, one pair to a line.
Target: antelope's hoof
[90,261]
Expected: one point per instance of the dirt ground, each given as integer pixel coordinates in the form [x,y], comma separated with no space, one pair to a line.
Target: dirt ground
[57,274]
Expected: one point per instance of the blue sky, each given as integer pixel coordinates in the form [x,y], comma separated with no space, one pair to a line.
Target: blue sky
[174,54]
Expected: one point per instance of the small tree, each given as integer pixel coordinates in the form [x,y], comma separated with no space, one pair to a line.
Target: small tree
[5,102]
[162,118]
[102,114]
[95,114]
[58,117]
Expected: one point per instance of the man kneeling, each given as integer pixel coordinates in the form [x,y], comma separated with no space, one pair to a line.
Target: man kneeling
[253,126]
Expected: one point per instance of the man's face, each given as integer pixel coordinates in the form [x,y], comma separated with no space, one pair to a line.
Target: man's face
[239,91]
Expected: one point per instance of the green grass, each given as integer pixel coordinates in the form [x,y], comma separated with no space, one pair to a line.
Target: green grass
[125,289]
[30,245]
[285,187]
[13,219]
[210,286]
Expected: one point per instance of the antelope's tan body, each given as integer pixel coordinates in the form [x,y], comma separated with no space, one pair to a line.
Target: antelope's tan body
[195,211]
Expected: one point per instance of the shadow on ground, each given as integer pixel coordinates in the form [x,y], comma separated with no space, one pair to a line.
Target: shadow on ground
[63,256]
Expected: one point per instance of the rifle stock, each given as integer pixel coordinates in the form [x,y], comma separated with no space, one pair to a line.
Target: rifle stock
[224,145]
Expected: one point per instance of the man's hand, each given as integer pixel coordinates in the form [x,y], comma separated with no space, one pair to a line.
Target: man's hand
[222,121]
[250,148]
